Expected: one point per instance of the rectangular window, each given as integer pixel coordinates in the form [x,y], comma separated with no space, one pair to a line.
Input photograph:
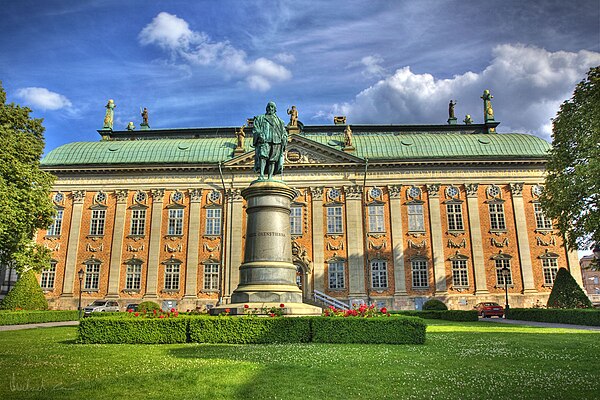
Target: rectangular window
[541,221]
[176,221]
[296,220]
[97,222]
[376,218]
[172,276]
[335,271]
[419,274]
[138,222]
[459,273]
[497,216]
[211,276]
[213,221]
[334,220]
[501,263]
[455,220]
[133,279]
[550,268]
[48,275]
[379,274]
[92,276]
[416,221]
[54,229]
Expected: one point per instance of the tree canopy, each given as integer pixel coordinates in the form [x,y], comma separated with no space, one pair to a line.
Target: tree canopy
[25,205]
[572,193]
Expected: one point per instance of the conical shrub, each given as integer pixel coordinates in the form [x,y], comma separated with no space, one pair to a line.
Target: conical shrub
[25,295]
[566,293]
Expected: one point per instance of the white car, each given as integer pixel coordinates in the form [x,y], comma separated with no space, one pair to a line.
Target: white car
[101,306]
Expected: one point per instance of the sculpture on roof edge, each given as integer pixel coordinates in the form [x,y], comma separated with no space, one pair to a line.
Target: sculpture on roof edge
[451,109]
[130,126]
[488,111]
[109,116]
[348,137]
[269,140]
[240,136]
[468,120]
[144,117]
[293,113]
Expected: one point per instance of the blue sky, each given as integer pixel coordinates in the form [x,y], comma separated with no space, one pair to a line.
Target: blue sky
[216,63]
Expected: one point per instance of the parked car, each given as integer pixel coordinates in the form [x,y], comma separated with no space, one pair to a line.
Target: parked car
[489,309]
[132,306]
[101,306]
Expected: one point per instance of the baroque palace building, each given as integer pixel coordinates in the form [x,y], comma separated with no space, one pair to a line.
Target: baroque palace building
[392,214]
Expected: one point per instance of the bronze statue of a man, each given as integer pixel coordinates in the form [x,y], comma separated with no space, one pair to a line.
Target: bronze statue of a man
[270,140]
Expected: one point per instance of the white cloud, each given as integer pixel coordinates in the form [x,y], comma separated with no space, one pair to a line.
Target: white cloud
[43,98]
[528,84]
[285,58]
[174,35]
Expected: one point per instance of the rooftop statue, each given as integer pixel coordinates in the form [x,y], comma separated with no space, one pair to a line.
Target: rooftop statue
[451,109]
[348,137]
[240,135]
[488,111]
[130,126]
[109,116]
[145,117]
[270,140]
[468,120]
[293,113]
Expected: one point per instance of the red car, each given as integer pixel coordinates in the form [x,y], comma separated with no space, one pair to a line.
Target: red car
[489,309]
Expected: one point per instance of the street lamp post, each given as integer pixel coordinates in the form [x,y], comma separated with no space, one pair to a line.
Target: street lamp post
[505,273]
[80,276]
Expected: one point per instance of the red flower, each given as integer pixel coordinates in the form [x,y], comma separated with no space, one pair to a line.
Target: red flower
[172,310]
[176,314]
[137,314]
[272,315]
[246,306]
[130,310]
[383,310]
[154,311]
[282,305]
[161,316]
[227,310]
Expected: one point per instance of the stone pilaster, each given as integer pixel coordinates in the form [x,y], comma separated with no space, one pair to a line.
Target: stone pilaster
[318,246]
[234,240]
[191,278]
[476,239]
[355,235]
[397,240]
[74,233]
[154,250]
[437,241]
[116,249]
[574,267]
[522,238]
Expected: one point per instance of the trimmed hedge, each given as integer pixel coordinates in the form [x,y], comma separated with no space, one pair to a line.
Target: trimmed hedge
[133,330]
[447,315]
[250,330]
[25,295]
[397,330]
[434,304]
[34,317]
[241,330]
[590,317]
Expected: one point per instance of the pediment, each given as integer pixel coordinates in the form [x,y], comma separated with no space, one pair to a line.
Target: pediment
[303,152]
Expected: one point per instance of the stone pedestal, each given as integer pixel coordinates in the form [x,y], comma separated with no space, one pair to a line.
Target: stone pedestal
[267,274]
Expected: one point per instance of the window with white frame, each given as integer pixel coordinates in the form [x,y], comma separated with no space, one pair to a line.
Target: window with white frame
[497,216]
[133,278]
[335,270]
[376,223]
[334,219]
[138,221]
[54,229]
[420,277]
[175,221]
[97,222]
[500,264]
[213,221]
[211,276]
[172,270]
[541,221]
[455,219]
[379,274]
[460,276]
[91,280]
[416,221]
[550,268]
[48,275]
[296,220]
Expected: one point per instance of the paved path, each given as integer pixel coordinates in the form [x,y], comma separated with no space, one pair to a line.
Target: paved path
[38,325]
[540,324]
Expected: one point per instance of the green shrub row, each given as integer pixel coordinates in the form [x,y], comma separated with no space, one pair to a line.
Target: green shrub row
[448,315]
[206,329]
[33,317]
[590,317]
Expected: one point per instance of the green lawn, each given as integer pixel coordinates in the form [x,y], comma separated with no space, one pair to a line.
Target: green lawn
[459,361]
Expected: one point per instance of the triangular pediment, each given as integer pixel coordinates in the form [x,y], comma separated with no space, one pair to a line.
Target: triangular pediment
[304,152]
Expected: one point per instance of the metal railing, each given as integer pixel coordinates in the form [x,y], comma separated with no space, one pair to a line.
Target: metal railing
[329,301]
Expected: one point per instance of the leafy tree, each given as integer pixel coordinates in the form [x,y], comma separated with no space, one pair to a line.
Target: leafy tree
[25,205]
[566,293]
[572,193]
[25,295]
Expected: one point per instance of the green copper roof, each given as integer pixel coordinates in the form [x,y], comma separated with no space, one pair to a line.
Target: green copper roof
[374,145]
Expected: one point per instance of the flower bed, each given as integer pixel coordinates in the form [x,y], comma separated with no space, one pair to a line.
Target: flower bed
[577,316]
[33,317]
